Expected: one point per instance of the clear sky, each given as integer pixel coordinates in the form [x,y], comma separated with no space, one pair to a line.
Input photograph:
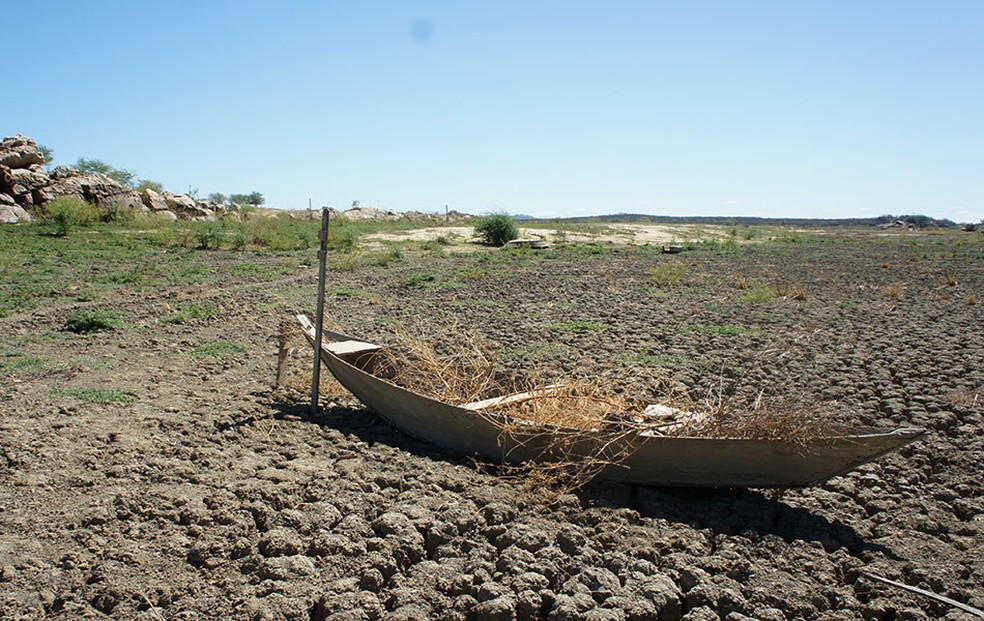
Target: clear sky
[832,108]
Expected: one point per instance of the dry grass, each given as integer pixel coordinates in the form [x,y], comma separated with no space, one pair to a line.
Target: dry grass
[741,283]
[893,292]
[453,367]
[296,367]
[788,419]
[950,280]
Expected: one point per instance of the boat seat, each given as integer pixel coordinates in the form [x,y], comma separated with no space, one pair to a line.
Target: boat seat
[351,349]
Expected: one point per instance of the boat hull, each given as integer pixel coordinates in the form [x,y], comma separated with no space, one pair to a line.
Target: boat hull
[635,458]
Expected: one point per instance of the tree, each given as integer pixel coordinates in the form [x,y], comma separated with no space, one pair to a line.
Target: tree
[121,176]
[255,199]
[217,197]
[238,199]
[147,184]
[47,153]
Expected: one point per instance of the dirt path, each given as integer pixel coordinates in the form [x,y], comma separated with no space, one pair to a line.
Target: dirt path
[196,490]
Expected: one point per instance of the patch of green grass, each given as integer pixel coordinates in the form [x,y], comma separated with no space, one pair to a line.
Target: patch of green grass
[668,274]
[385,257]
[535,352]
[103,396]
[188,312]
[259,271]
[471,273]
[282,233]
[758,295]
[18,364]
[89,321]
[351,293]
[579,327]
[218,349]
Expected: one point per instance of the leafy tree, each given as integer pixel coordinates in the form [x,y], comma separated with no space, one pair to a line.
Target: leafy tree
[496,229]
[217,197]
[121,176]
[255,199]
[147,184]
[239,199]
[47,153]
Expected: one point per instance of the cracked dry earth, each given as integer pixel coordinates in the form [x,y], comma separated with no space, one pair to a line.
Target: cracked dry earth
[209,494]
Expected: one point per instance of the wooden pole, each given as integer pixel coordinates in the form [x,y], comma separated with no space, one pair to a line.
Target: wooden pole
[319,323]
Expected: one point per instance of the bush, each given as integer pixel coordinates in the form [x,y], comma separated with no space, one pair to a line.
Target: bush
[88,321]
[209,235]
[497,229]
[66,212]
[343,238]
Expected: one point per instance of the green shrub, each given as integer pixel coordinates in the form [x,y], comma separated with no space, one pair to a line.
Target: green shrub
[66,212]
[497,229]
[87,321]
[209,235]
[343,238]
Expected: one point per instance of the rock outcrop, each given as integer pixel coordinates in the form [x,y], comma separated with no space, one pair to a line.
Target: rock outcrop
[25,183]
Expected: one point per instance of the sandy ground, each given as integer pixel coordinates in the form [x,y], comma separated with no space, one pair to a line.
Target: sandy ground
[605,234]
[204,492]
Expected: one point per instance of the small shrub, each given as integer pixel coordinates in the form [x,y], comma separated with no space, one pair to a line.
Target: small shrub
[741,283]
[343,238]
[209,235]
[668,274]
[797,293]
[344,262]
[384,258]
[67,212]
[893,292]
[88,321]
[240,237]
[184,314]
[496,229]
[418,281]
[950,280]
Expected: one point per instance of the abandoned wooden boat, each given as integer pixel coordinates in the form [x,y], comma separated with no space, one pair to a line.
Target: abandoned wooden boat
[643,457]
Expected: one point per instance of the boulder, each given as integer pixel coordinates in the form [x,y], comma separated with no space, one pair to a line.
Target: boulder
[92,187]
[153,201]
[20,152]
[12,214]
[188,208]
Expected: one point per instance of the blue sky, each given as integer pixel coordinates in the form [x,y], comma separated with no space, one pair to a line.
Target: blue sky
[791,108]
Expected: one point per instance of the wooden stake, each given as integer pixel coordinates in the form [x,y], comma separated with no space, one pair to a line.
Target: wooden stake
[320,319]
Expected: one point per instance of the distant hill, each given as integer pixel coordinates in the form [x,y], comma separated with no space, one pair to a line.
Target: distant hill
[887,221]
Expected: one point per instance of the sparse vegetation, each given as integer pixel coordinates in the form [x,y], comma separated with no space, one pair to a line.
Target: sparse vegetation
[578,326]
[102,396]
[668,274]
[759,294]
[218,349]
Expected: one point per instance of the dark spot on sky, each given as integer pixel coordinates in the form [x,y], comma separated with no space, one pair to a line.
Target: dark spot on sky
[422,30]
